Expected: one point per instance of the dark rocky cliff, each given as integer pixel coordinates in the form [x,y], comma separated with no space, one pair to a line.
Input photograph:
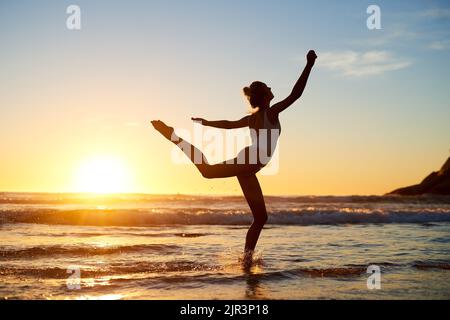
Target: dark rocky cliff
[437,182]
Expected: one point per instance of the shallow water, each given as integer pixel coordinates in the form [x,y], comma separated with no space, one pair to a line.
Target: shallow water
[312,248]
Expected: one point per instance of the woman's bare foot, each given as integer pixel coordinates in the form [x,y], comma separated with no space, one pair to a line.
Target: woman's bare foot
[247,260]
[165,130]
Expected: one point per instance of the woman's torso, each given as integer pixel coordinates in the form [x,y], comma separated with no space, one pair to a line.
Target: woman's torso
[264,133]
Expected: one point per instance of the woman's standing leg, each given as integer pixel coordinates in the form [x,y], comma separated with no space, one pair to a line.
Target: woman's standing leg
[255,199]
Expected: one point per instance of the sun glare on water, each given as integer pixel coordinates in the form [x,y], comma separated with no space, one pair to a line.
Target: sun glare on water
[102,175]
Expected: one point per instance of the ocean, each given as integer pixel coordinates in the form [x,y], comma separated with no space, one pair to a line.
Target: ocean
[81,246]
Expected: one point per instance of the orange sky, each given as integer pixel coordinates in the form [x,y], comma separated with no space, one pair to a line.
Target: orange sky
[70,98]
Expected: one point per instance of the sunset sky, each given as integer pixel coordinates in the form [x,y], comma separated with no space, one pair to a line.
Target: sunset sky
[76,105]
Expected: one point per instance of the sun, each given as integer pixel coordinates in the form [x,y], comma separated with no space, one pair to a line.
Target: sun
[102,174]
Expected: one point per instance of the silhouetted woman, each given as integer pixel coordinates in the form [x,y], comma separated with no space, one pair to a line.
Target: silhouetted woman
[265,129]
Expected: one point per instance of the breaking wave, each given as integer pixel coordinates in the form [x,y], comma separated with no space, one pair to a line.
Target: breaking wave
[198,216]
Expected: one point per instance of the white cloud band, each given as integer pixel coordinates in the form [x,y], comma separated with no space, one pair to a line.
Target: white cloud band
[358,64]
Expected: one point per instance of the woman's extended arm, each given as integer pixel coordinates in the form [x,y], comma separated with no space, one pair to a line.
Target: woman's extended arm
[224,124]
[298,88]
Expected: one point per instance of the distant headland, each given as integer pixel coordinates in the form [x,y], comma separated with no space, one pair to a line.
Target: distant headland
[437,182]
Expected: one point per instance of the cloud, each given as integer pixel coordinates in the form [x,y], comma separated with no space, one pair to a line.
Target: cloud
[392,35]
[358,64]
[411,28]
[440,45]
[436,13]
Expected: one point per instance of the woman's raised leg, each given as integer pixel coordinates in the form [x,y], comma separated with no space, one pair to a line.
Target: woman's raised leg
[226,169]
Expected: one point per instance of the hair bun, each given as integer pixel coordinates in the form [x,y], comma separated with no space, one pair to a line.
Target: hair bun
[247,91]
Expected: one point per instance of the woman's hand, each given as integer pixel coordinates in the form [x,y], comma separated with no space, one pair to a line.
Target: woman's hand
[201,120]
[311,57]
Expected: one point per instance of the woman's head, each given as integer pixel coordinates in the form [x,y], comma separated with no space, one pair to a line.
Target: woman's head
[258,94]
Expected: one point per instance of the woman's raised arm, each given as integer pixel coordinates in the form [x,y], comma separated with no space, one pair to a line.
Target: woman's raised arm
[299,86]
